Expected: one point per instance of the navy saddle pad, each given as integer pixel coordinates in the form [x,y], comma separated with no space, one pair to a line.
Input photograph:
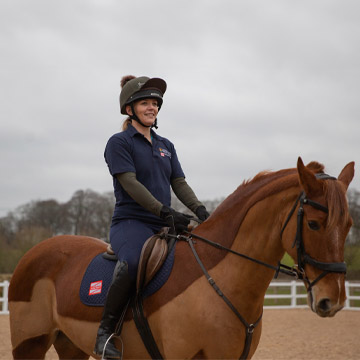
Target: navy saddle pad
[98,276]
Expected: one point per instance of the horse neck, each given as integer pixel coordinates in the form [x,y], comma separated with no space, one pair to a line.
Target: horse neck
[257,236]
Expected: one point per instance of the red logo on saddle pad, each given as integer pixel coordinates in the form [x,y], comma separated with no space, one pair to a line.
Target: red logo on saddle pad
[95,287]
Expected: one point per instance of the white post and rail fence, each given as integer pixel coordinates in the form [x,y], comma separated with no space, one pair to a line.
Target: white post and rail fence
[280,295]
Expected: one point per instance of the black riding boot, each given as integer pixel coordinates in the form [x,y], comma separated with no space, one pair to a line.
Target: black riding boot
[116,300]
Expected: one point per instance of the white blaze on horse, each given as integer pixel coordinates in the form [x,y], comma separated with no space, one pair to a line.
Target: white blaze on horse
[301,211]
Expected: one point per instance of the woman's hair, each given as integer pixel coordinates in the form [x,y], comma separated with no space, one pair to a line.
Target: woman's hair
[126,123]
[123,81]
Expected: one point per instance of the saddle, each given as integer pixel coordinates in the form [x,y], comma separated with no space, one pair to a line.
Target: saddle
[153,255]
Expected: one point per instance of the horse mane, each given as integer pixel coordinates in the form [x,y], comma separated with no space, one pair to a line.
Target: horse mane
[267,183]
[264,184]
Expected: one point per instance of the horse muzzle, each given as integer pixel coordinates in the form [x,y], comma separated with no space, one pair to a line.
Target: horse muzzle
[325,304]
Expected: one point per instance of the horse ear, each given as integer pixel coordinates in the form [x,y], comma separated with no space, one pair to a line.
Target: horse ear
[347,174]
[308,180]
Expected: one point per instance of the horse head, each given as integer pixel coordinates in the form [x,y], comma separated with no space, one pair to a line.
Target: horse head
[322,224]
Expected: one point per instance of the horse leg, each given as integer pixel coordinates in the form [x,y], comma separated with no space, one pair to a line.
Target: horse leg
[66,348]
[32,322]
[33,348]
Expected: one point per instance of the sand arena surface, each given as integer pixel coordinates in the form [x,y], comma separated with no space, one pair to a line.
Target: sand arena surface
[287,334]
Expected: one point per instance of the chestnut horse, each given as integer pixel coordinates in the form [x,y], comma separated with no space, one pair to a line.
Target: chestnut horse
[187,318]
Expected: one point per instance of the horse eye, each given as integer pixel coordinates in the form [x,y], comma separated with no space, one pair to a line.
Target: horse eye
[313,225]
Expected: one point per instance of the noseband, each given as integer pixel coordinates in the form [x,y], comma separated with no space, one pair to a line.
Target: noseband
[302,256]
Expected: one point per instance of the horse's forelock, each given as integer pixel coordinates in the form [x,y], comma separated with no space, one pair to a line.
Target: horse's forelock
[337,204]
[315,167]
[335,195]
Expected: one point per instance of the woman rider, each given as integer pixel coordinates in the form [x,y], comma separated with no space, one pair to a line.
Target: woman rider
[144,166]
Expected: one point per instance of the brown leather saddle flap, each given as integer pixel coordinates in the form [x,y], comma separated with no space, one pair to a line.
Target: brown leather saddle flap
[153,255]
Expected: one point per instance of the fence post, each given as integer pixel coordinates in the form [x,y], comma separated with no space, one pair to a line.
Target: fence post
[347,292]
[293,293]
[6,293]
[4,298]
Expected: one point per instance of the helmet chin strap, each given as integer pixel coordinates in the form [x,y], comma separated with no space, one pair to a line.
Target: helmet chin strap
[155,124]
[135,117]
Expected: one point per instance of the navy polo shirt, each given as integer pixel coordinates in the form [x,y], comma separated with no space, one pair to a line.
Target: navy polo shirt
[154,164]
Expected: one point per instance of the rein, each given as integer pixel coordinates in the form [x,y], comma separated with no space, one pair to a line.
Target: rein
[281,268]
[249,327]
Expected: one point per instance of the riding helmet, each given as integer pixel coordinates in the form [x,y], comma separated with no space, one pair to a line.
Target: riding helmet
[137,88]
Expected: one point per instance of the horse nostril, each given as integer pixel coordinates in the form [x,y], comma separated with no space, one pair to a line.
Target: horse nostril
[324,305]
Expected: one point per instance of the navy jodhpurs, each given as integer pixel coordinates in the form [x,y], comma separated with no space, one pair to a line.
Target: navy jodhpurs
[127,238]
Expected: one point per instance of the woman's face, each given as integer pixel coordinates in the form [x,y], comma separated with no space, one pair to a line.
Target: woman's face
[146,110]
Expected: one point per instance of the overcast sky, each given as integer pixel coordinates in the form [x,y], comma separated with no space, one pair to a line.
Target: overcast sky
[252,85]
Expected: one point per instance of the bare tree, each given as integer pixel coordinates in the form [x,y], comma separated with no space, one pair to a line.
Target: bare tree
[48,214]
[89,213]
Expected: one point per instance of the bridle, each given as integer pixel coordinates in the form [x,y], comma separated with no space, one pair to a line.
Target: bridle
[302,257]
[298,270]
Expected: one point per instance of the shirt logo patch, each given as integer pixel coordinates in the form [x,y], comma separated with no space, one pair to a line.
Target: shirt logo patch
[95,288]
[164,152]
